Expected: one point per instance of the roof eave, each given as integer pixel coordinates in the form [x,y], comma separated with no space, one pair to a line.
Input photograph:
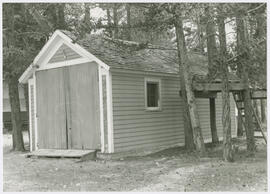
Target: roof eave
[27,74]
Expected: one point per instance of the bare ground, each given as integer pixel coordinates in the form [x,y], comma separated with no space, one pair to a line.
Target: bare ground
[169,170]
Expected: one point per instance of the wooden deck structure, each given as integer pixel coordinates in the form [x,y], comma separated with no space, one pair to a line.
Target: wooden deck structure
[210,90]
[60,153]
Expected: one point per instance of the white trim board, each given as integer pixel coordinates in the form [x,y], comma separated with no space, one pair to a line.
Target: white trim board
[64,63]
[109,112]
[61,38]
[108,83]
[81,50]
[30,83]
[101,72]
[142,72]
[45,47]
[152,80]
[35,110]
[51,53]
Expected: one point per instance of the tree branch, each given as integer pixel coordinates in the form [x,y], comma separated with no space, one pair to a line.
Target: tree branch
[256,8]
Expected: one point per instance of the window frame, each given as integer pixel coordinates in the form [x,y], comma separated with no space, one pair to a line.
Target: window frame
[152,80]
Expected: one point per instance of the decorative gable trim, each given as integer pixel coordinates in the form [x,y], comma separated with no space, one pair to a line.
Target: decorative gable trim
[81,50]
[58,38]
[64,63]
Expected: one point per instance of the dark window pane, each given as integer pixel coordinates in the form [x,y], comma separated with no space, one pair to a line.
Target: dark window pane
[152,94]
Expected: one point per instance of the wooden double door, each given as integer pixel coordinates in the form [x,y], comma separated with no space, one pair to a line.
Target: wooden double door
[68,107]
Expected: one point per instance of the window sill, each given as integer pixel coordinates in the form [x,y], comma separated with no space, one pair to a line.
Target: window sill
[153,109]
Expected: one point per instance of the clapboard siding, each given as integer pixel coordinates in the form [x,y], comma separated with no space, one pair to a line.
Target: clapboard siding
[134,127]
[64,53]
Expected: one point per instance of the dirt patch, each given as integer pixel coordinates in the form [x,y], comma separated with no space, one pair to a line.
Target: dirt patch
[169,170]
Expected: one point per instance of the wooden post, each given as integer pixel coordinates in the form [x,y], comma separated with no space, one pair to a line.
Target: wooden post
[263,105]
[239,126]
[213,120]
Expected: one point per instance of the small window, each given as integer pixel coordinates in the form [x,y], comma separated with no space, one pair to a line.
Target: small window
[152,91]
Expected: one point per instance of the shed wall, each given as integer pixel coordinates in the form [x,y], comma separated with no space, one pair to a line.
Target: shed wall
[134,127]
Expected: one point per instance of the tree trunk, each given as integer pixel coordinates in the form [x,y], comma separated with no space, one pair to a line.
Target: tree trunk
[200,35]
[212,68]
[263,105]
[211,43]
[240,130]
[87,13]
[128,22]
[61,23]
[213,120]
[115,21]
[226,116]
[186,89]
[244,60]
[14,100]
[45,25]
[189,141]
[259,34]
[15,115]
[109,22]
[86,24]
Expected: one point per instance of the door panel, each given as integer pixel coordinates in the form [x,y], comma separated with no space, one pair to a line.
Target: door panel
[84,106]
[51,109]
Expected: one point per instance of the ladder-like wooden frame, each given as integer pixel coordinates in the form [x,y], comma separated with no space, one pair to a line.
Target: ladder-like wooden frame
[254,114]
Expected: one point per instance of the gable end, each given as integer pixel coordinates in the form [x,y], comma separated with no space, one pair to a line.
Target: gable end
[64,53]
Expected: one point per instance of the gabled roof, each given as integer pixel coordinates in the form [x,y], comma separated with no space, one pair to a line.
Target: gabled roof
[134,56]
[129,55]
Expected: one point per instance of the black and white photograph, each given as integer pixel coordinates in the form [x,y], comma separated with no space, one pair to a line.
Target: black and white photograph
[134,96]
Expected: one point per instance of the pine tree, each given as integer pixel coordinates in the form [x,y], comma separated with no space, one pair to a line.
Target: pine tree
[226,115]
[212,66]
[245,63]
[186,88]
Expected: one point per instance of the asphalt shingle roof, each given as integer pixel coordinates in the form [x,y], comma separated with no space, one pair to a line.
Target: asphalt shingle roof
[135,56]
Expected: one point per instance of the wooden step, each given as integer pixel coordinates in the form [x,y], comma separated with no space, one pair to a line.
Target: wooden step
[58,153]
